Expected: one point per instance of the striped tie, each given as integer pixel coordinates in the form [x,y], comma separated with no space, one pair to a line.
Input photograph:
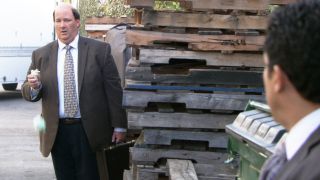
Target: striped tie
[70,93]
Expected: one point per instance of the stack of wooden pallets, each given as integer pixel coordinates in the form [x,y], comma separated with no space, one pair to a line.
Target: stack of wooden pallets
[191,73]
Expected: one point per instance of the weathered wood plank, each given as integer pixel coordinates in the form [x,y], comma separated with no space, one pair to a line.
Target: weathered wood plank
[282,2]
[159,56]
[223,171]
[204,20]
[100,35]
[196,76]
[181,169]
[217,4]
[178,120]
[230,4]
[98,27]
[109,20]
[127,175]
[191,100]
[149,156]
[165,137]
[224,47]
[147,174]
[237,4]
[148,38]
[225,177]
[140,3]
[144,172]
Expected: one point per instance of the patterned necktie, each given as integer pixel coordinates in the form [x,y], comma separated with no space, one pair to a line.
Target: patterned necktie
[274,163]
[70,93]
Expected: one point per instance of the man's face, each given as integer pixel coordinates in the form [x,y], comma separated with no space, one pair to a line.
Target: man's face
[66,25]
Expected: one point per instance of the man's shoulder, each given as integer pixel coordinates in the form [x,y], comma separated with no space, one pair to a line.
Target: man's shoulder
[46,47]
[307,167]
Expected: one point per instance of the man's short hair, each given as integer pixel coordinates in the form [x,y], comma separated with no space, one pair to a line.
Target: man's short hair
[293,43]
[75,13]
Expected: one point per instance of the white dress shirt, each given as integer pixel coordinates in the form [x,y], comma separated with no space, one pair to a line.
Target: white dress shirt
[300,132]
[60,72]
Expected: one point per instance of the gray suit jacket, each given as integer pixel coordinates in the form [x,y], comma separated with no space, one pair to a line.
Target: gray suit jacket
[305,165]
[100,92]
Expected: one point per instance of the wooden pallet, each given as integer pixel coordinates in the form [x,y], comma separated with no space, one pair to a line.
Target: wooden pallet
[214,4]
[166,137]
[193,41]
[196,76]
[178,120]
[167,56]
[140,99]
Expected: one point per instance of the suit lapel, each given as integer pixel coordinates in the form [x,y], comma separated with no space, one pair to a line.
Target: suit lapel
[53,63]
[82,60]
[302,153]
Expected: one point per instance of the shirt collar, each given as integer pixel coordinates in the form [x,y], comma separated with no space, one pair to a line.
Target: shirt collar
[73,44]
[300,132]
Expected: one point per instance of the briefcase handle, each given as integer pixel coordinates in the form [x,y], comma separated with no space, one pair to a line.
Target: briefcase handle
[116,145]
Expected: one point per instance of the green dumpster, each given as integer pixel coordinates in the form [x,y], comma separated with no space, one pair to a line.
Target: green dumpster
[252,138]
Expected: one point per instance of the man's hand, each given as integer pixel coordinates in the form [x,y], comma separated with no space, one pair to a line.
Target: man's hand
[33,81]
[118,137]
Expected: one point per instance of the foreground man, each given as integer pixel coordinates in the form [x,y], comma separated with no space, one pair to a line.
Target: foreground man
[291,79]
[81,99]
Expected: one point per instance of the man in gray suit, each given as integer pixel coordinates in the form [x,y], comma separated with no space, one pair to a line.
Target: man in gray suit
[291,78]
[97,118]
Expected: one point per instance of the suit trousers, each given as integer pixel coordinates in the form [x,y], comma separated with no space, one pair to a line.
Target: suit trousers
[72,156]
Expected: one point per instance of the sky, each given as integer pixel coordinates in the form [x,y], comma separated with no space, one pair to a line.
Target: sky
[26,22]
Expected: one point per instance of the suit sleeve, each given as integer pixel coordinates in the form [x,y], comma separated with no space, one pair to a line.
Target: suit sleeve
[112,86]
[25,88]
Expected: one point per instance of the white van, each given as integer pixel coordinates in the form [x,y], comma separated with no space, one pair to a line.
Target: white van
[30,27]
[14,63]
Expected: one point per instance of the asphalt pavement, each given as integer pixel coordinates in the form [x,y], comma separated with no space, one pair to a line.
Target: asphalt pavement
[20,158]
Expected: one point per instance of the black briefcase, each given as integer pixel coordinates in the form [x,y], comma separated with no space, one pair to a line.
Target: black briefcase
[117,158]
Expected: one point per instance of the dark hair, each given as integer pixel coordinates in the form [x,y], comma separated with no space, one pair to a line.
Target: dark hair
[75,13]
[293,43]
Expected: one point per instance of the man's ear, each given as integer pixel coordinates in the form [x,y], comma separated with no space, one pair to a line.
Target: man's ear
[279,78]
[78,23]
